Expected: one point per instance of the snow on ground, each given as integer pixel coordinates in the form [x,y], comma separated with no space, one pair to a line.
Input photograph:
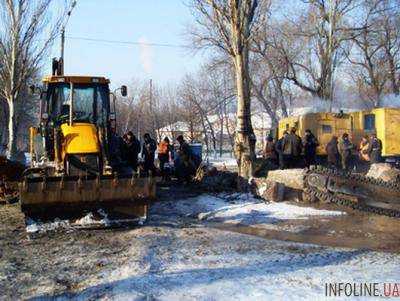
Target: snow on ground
[233,208]
[240,209]
[99,218]
[208,264]
[191,260]
[35,226]
[224,161]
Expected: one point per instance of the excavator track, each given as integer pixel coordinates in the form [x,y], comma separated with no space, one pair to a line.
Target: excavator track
[353,190]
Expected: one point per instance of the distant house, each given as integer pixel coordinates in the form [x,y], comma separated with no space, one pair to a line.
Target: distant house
[191,132]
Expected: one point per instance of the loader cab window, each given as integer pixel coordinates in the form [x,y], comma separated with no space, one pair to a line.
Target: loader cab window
[90,103]
[369,122]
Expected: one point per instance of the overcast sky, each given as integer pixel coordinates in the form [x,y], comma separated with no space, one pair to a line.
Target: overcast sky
[138,21]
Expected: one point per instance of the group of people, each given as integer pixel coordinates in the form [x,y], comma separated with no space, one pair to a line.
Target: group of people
[342,153]
[291,151]
[128,151]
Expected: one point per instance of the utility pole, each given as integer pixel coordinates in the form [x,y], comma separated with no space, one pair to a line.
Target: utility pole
[61,61]
[62,50]
[139,133]
[152,112]
[151,95]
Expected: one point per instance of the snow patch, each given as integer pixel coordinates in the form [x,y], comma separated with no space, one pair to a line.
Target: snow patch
[100,218]
[223,162]
[90,219]
[39,227]
[219,265]
[239,208]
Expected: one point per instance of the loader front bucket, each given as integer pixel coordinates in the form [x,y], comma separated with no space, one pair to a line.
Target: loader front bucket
[49,197]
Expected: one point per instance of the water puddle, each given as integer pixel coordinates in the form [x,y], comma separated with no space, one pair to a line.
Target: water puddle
[354,230]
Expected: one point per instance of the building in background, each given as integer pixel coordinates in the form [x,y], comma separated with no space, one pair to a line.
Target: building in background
[221,129]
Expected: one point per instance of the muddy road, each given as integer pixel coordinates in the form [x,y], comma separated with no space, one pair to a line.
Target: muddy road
[65,261]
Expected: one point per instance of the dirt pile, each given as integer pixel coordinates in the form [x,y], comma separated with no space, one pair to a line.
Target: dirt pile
[218,181]
[10,170]
[10,174]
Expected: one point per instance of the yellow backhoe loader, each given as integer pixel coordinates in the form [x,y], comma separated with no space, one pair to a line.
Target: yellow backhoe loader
[76,165]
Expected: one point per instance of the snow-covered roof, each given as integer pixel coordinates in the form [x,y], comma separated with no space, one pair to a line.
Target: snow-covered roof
[260,120]
[179,126]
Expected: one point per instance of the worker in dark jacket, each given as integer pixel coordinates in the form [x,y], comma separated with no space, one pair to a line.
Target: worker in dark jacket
[131,150]
[269,152]
[332,152]
[310,144]
[148,153]
[186,167]
[345,150]
[279,150]
[116,150]
[292,148]
[375,149]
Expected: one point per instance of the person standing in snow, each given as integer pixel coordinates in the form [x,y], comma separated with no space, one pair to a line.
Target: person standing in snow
[164,152]
[363,155]
[186,168]
[292,149]
[310,144]
[131,150]
[269,150]
[332,152]
[148,153]
[375,149]
[364,149]
[345,150]
[279,150]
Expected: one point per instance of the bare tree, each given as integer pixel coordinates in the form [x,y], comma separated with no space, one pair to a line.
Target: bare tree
[311,45]
[268,73]
[366,55]
[390,21]
[227,25]
[25,35]
[374,56]
[219,90]
[3,126]
[141,113]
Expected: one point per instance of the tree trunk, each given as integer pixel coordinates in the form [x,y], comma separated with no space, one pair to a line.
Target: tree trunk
[205,134]
[392,75]
[228,130]
[12,133]
[3,127]
[213,138]
[221,134]
[244,139]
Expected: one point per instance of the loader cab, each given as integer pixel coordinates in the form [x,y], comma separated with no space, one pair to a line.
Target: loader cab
[90,100]
[75,116]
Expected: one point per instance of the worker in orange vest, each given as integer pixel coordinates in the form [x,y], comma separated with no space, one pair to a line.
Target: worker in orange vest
[164,156]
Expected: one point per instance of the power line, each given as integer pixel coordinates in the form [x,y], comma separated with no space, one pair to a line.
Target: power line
[128,42]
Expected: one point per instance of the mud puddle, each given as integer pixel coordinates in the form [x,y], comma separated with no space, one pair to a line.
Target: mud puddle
[353,230]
